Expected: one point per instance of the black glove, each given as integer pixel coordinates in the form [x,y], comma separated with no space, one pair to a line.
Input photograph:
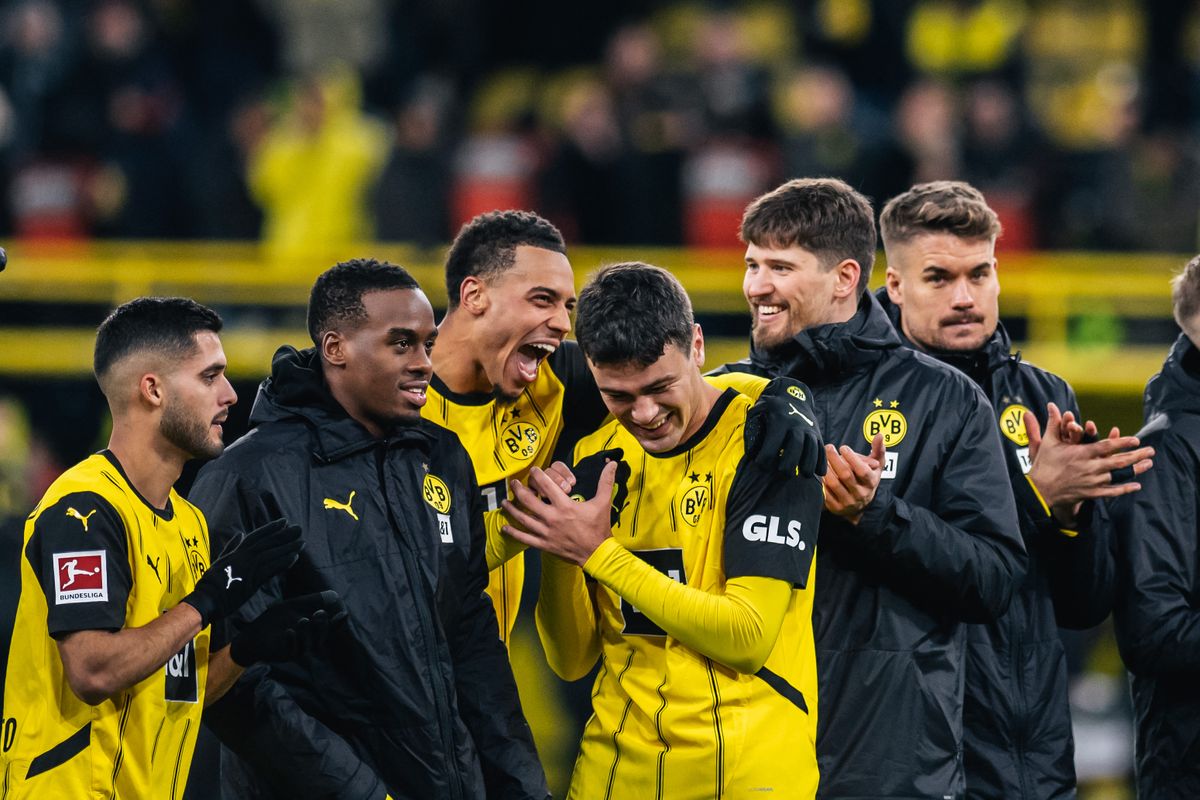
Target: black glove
[288,629]
[781,430]
[245,564]
[587,479]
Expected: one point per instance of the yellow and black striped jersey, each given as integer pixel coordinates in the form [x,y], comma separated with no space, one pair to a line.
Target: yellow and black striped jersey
[670,722]
[97,556]
[506,440]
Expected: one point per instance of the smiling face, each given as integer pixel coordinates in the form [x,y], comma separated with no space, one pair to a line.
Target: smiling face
[662,404]
[788,290]
[379,369]
[525,315]
[947,289]
[197,400]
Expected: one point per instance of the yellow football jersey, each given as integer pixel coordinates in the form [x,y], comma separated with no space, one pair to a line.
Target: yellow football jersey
[97,556]
[506,440]
[669,722]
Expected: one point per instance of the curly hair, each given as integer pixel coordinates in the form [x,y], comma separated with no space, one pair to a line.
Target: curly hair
[488,244]
[336,299]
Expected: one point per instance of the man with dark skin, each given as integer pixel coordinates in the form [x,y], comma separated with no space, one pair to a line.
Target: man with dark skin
[415,697]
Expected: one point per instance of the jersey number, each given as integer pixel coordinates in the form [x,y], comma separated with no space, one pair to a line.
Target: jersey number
[668,561]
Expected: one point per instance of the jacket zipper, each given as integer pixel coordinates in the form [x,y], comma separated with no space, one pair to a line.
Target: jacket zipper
[427,634]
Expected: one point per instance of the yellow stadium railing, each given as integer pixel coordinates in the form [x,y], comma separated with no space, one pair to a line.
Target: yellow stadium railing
[1052,292]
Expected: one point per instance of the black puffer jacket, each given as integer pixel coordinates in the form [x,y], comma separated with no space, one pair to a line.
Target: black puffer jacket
[935,549]
[1016,713]
[1157,612]
[414,696]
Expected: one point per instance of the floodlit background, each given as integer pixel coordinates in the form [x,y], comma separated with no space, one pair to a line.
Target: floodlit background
[230,150]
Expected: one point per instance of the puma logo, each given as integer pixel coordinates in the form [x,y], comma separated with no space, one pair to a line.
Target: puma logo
[229,575]
[71,512]
[346,506]
[795,412]
[154,566]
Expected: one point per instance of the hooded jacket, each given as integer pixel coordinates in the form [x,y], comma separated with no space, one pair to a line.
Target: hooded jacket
[936,548]
[413,695]
[1016,712]
[1157,611]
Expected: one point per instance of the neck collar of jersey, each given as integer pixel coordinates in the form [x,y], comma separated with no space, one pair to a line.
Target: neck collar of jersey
[166,514]
[460,398]
[714,416]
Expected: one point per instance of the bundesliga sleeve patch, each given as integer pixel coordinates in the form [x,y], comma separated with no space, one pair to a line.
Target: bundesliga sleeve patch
[81,577]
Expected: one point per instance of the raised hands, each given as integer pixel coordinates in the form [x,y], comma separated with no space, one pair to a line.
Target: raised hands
[1067,468]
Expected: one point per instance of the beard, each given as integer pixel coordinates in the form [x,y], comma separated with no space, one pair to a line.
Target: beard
[189,434]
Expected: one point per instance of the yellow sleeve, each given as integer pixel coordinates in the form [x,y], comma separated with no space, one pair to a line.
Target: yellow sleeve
[737,628]
[500,547]
[745,383]
[566,618]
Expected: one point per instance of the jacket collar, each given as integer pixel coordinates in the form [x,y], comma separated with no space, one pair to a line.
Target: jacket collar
[1177,386]
[826,352]
[977,364]
[297,390]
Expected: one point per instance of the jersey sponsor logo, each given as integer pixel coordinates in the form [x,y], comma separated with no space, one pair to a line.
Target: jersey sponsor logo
[337,505]
[762,528]
[493,493]
[445,530]
[696,498]
[519,440]
[81,577]
[1012,424]
[8,733]
[182,682]
[83,518]
[436,493]
[668,561]
[888,421]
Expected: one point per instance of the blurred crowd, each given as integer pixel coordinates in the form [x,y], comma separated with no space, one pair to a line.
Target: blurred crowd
[308,122]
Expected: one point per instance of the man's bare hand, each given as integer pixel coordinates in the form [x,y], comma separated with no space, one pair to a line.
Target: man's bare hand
[851,480]
[1067,470]
[546,517]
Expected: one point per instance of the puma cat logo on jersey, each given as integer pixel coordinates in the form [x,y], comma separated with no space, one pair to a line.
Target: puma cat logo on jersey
[71,512]
[346,506]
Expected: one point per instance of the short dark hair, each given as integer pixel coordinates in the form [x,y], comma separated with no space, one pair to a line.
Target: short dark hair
[1185,296]
[488,245]
[167,325]
[630,312]
[953,207]
[337,295]
[823,215]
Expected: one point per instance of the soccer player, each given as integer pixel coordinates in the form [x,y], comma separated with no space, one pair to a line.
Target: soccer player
[110,664]
[415,697]
[701,610]
[1156,617]
[505,378]
[516,392]
[942,295]
[920,535]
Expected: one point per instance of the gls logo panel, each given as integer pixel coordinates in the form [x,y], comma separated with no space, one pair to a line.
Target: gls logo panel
[182,683]
[761,528]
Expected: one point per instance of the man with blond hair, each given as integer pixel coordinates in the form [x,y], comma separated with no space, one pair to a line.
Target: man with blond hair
[1156,617]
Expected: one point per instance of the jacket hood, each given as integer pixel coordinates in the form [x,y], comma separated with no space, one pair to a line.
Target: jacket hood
[979,364]
[297,390]
[1177,386]
[828,351]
